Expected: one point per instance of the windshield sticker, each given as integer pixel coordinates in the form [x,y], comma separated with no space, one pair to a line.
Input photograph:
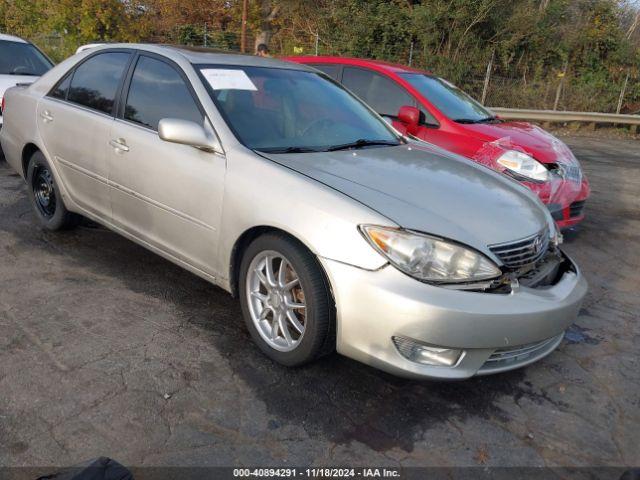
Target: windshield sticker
[221,79]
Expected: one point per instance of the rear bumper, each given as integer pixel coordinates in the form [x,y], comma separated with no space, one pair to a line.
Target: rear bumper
[10,150]
[497,332]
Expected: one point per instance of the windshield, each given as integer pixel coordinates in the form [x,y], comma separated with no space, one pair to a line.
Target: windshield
[18,58]
[448,98]
[284,111]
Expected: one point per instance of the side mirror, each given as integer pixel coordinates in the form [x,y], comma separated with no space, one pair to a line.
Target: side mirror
[410,117]
[185,132]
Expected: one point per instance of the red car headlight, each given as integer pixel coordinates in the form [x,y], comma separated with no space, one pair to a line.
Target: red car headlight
[524,165]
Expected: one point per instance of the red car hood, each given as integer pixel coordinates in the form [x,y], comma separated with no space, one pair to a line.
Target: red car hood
[532,139]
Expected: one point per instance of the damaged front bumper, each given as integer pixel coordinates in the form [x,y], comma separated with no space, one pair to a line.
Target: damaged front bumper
[493,332]
[567,205]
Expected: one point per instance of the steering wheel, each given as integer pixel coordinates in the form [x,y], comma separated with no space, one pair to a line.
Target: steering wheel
[20,69]
[320,124]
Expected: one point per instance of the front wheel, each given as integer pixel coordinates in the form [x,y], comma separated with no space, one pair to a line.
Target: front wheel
[45,196]
[286,301]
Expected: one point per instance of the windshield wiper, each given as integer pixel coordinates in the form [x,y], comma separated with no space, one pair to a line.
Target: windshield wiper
[361,143]
[28,74]
[477,120]
[287,150]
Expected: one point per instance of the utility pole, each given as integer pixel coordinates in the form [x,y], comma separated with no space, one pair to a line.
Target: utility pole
[622,92]
[487,77]
[560,84]
[205,34]
[243,35]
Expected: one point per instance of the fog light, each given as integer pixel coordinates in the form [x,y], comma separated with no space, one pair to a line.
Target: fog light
[427,355]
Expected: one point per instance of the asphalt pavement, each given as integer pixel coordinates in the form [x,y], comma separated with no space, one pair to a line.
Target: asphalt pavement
[107,349]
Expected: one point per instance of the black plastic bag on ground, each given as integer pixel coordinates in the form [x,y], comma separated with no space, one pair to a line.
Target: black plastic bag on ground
[102,468]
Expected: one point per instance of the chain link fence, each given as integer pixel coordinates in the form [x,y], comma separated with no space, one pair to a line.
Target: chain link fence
[612,92]
[621,94]
[618,92]
[54,45]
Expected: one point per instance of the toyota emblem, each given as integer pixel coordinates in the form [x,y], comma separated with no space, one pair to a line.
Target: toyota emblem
[537,245]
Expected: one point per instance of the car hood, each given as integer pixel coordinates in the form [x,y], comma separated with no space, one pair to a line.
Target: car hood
[424,188]
[530,138]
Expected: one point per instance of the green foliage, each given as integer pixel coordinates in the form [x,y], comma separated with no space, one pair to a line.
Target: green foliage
[63,25]
[371,29]
[531,41]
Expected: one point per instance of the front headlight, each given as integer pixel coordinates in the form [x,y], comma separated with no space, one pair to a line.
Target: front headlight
[428,258]
[524,165]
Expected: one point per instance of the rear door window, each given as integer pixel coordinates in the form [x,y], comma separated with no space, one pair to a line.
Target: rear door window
[379,92]
[158,91]
[95,82]
[60,90]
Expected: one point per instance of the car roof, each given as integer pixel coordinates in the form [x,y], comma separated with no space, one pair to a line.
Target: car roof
[361,62]
[202,55]
[11,38]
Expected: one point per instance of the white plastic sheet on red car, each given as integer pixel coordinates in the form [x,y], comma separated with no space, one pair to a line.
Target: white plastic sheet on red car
[564,184]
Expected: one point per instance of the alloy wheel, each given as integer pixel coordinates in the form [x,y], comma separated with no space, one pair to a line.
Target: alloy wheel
[276,300]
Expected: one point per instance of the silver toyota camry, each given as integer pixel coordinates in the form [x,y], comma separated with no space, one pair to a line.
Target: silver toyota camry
[275,183]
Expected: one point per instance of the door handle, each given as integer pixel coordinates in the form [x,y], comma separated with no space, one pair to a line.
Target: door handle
[46,116]
[120,145]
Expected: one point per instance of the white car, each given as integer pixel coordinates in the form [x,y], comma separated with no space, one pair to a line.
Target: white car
[20,62]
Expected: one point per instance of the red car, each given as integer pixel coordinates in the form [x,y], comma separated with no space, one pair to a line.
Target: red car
[430,108]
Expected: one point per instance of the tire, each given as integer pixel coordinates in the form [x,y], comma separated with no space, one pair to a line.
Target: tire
[45,196]
[317,318]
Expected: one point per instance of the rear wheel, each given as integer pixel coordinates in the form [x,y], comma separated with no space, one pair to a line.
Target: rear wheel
[286,301]
[45,196]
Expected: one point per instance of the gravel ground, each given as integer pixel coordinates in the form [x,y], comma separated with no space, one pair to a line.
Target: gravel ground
[107,349]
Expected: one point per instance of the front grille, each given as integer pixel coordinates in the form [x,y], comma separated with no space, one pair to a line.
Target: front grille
[522,252]
[544,273]
[511,357]
[576,208]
